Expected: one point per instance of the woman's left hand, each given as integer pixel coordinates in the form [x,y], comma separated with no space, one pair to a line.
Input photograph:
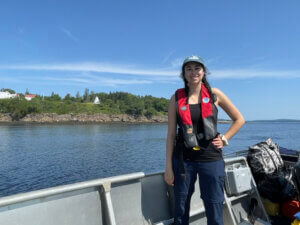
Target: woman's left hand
[217,142]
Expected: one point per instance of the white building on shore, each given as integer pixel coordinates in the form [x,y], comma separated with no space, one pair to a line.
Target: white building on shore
[28,97]
[6,95]
[97,101]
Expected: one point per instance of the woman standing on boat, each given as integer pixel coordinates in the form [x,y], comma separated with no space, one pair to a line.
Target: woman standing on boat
[198,145]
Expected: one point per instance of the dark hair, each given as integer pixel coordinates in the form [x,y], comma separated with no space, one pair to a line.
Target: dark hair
[204,81]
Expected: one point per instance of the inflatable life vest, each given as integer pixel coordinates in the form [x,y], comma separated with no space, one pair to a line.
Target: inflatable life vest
[208,114]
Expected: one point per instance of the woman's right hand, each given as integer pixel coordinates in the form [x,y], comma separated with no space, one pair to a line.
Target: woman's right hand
[169,176]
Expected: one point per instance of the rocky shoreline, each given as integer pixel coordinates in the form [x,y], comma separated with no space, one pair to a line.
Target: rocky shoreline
[81,118]
[52,118]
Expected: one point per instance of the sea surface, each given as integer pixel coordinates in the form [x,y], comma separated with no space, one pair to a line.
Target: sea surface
[33,157]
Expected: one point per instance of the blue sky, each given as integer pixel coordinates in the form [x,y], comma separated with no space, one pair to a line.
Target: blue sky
[251,48]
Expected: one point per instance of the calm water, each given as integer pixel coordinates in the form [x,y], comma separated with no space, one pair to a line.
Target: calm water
[40,156]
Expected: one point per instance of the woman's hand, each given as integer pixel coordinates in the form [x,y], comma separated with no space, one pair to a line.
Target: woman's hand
[218,142]
[169,176]
[234,114]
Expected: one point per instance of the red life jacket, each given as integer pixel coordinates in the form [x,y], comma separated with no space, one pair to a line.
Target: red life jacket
[208,114]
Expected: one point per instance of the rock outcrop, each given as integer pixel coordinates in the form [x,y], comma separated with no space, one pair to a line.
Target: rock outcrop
[5,117]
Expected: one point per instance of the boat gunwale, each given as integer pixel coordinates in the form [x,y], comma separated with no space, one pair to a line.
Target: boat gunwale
[32,195]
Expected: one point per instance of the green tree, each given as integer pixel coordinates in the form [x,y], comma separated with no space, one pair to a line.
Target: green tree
[92,96]
[86,95]
[150,112]
[54,97]
[19,108]
[68,97]
[78,97]
[8,90]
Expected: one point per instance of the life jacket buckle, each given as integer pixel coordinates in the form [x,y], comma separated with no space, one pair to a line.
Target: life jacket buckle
[196,148]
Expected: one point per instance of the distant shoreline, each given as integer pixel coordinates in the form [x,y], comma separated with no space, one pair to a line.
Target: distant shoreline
[274,121]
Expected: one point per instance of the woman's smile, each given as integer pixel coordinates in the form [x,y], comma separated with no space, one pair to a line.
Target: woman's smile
[194,72]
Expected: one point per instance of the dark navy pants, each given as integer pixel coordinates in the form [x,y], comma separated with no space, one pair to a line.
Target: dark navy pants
[211,179]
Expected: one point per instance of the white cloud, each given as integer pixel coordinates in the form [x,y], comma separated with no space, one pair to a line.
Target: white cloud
[167,57]
[8,79]
[177,63]
[149,75]
[251,73]
[83,79]
[93,67]
[92,80]
[213,60]
[69,34]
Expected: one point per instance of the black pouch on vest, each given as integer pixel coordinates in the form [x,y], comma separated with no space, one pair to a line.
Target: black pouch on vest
[190,139]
